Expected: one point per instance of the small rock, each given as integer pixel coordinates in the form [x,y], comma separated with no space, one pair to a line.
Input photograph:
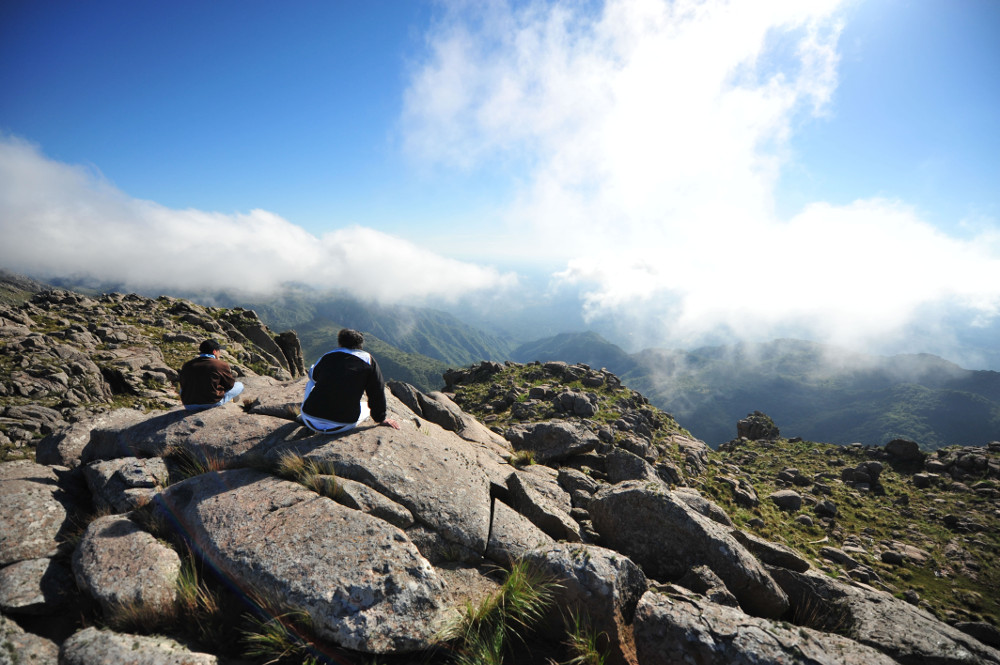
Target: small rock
[786,499]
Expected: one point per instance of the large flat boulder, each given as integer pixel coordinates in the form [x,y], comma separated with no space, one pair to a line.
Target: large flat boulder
[223,432]
[657,529]
[441,479]
[683,628]
[362,581]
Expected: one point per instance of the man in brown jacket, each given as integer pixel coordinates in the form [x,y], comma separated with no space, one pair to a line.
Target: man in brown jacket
[207,381]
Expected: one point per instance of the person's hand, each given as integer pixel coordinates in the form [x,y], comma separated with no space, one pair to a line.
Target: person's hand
[388,422]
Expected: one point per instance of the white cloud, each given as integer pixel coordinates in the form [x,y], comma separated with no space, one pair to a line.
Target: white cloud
[63,220]
[654,133]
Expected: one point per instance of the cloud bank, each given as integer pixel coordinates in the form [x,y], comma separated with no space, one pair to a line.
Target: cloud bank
[61,220]
[654,134]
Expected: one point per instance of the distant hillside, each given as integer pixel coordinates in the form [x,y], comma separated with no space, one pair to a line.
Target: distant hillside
[413,330]
[810,390]
[16,289]
[588,348]
[419,334]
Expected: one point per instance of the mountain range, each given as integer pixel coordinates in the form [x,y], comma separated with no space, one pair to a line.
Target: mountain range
[812,390]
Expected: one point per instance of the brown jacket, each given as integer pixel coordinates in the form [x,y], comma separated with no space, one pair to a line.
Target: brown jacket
[205,380]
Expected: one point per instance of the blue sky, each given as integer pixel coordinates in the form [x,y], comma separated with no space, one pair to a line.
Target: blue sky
[828,169]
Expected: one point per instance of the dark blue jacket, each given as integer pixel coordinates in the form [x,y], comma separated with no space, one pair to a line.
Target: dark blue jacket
[341,377]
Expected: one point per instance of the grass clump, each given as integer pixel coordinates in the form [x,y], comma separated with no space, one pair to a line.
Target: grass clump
[318,475]
[275,633]
[483,633]
[134,616]
[583,641]
[522,458]
[186,463]
[279,639]
[197,602]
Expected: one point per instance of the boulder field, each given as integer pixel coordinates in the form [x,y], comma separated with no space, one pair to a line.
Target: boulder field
[380,539]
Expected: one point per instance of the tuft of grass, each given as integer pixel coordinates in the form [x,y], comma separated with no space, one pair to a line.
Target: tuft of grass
[279,633]
[523,458]
[482,633]
[131,616]
[278,639]
[583,641]
[198,603]
[317,475]
[187,463]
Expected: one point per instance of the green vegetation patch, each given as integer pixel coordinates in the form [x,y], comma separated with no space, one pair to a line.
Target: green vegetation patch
[953,570]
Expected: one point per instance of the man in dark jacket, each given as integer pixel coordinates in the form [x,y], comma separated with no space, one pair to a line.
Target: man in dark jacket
[207,381]
[337,381]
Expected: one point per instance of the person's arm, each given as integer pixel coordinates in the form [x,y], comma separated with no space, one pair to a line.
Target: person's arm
[375,389]
[226,378]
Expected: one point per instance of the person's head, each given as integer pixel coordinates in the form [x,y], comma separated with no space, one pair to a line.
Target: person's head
[209,346]
[350,339]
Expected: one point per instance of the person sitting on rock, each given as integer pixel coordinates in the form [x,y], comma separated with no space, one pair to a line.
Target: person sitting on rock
[332,402]
[207,381]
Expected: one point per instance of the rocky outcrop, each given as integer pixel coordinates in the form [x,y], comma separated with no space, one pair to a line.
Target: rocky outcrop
[433,473]
[221,433]
[669,624]
[553,441]
[512,536]
[36,513]
[895,627]
[120,485]
[34,586]
[632,518]
[757,426]
[69,355]
[535,492]
[19,646]
[595,585]
[439,409]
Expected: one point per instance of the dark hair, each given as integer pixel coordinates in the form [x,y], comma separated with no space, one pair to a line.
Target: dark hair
[209,346]
[350,339]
